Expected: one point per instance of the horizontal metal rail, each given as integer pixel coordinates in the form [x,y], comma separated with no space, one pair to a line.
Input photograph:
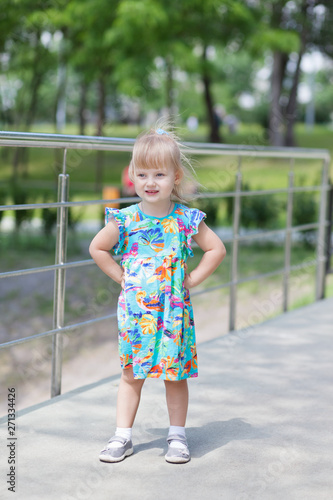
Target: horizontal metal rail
[54,331]
[57,204]
[92,143]
[80,324]
[35,206]
[89,262]
[53,267]
[63,141]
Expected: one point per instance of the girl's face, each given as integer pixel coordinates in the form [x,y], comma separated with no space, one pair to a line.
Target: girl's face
[155,185]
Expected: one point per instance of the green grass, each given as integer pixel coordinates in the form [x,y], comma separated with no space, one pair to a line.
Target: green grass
[25,250]
[258,258]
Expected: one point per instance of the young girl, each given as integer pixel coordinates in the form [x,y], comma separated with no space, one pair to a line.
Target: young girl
[155,317]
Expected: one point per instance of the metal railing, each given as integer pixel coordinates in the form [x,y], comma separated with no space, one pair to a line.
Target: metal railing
[66,142]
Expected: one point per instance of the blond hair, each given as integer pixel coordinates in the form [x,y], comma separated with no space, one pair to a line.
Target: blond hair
[159,148]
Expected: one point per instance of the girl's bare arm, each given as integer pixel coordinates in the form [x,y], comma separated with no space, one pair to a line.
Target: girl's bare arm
[214,253]
[100,251]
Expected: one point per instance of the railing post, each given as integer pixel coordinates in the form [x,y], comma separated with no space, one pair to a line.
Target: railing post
[234,263]
[321,241]
[288,240]
[328,268]
[59,282]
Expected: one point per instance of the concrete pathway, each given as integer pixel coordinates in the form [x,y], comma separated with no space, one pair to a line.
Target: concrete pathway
[260,426]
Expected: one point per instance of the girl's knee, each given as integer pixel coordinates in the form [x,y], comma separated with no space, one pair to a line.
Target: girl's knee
[175,384]
[128,377]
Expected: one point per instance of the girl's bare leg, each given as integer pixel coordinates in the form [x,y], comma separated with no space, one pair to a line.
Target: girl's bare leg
[129,393]
[177,401]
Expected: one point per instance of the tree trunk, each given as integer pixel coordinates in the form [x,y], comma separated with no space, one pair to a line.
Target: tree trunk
[15,164]
[213,119]
[82,107]
[276,115]
[35,83]
[169,88]
[99,132]
[101,106]
[60,114]
[21,156]
[99,171]
[291,111]
[276,118]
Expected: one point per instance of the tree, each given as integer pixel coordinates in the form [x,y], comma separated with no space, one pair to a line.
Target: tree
[288,30]
[89,52]
[9,22]
[216,24]
[144,31]
[29,61]
[173,30]
[323,19]
[84,24]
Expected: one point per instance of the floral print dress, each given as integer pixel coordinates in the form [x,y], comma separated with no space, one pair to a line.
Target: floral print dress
[155,315]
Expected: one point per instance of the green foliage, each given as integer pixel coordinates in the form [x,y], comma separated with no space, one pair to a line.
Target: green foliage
[14,244]
[49,220]
[26,246]
[324,96]
[323,31]
[20,196]
[276,40]
[304,208]
[119,43]
[148,55]
[305,211]
[258,211]
[211,208]
[74,217]
[3,196]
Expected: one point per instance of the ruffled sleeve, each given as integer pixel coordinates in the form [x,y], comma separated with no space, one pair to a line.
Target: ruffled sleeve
[195,217]
[120,218]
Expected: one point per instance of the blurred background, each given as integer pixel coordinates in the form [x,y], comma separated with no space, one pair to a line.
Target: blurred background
[249,72]
[220,66]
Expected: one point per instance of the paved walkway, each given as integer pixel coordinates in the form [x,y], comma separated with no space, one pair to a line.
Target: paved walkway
[260,426]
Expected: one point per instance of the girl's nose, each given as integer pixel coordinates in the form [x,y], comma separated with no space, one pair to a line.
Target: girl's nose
[151,181]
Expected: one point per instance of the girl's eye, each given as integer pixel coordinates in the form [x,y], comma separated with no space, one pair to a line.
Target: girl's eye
[141,175]
[160,175]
